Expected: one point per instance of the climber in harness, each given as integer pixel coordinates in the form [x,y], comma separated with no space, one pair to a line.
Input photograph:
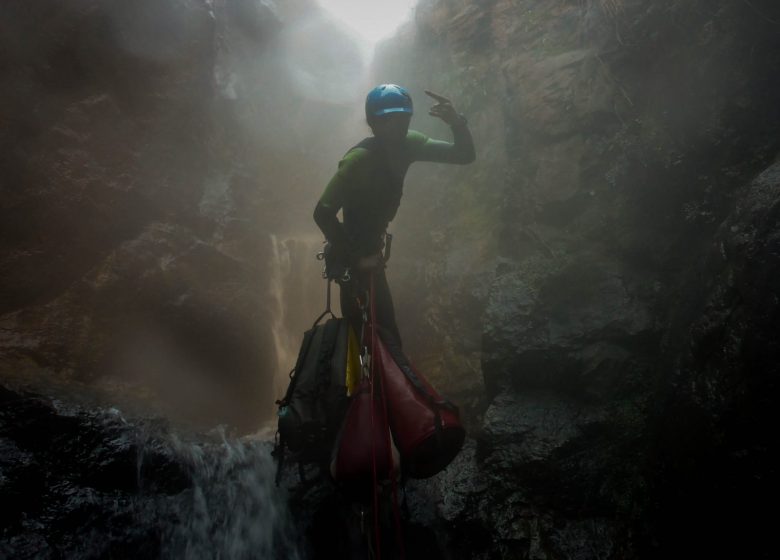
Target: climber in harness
[367,187]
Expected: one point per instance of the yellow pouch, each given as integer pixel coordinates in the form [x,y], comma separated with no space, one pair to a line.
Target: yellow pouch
[353,362]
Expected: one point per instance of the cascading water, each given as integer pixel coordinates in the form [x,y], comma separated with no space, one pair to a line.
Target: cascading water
[297,291]
[233,509]
[283,342]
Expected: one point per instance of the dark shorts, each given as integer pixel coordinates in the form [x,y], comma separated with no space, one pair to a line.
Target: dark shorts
[356,289]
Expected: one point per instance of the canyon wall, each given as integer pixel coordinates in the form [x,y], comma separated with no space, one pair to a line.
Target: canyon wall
[156,158]
[601,284]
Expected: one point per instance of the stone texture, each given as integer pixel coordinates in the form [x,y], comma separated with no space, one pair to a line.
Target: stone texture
[91,484]
[618,269]
[141,188]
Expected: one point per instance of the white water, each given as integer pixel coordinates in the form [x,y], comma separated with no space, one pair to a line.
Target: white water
[283,341]
[234,509]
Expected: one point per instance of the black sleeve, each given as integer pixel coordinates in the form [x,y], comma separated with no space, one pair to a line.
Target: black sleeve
[460,151]
[326,219]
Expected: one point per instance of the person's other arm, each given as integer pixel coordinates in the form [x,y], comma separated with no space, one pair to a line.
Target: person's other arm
[332,200]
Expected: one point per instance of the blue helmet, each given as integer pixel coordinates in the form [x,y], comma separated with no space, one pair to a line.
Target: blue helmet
[387,98]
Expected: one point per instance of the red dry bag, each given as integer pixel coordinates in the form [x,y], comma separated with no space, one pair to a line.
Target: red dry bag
[426,427]
[364,444]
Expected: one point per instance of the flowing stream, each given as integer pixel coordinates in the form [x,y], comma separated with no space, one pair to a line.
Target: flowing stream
[92,484]
[234,509]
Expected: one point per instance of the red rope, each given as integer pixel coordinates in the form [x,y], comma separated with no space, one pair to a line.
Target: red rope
[386,431]
[372,334]
[394,485]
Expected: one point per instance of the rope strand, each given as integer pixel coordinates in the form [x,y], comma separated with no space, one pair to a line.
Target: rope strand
[372,335]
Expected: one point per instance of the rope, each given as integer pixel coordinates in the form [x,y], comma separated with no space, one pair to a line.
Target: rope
[385,432]
[327,298]
[393,484]
[372,334]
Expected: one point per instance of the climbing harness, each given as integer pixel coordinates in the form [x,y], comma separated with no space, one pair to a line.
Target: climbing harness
[332,269]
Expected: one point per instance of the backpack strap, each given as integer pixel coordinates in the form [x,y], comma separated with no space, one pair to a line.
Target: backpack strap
[308,336]
[327,348]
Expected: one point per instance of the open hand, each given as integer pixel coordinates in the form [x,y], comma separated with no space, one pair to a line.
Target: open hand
[444,109]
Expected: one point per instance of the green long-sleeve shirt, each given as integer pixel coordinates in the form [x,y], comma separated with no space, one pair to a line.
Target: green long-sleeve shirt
[369,183]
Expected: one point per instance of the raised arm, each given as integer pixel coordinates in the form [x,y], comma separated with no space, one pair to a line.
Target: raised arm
[461,150]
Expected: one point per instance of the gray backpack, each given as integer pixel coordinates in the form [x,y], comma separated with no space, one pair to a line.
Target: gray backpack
[312,410]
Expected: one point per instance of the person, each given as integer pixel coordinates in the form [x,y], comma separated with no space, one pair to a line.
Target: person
[368,187]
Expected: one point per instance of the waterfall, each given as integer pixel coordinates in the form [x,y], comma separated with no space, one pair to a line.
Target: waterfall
[297,291]
[283,341]
[234,509]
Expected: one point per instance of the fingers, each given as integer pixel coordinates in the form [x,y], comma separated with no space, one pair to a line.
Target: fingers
[441,110]
[437,97]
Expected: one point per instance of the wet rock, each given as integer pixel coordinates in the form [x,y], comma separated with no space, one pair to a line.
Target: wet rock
[533,429]
[718,415]
[22,482]
[574,327]
[93,484]
[624,352]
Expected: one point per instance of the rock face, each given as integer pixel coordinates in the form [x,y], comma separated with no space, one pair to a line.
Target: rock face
[147,159]
[621,257]
[90,484]
[717,421]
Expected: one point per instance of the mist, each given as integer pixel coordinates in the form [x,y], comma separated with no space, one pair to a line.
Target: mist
[161,165]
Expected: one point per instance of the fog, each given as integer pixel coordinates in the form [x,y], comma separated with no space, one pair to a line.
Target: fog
[370,21]
[161,164]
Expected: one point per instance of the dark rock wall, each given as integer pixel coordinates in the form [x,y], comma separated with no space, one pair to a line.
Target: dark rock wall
[712,434]
[621,261]
[78,483]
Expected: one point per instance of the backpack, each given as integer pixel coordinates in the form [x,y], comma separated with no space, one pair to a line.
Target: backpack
[314,405]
